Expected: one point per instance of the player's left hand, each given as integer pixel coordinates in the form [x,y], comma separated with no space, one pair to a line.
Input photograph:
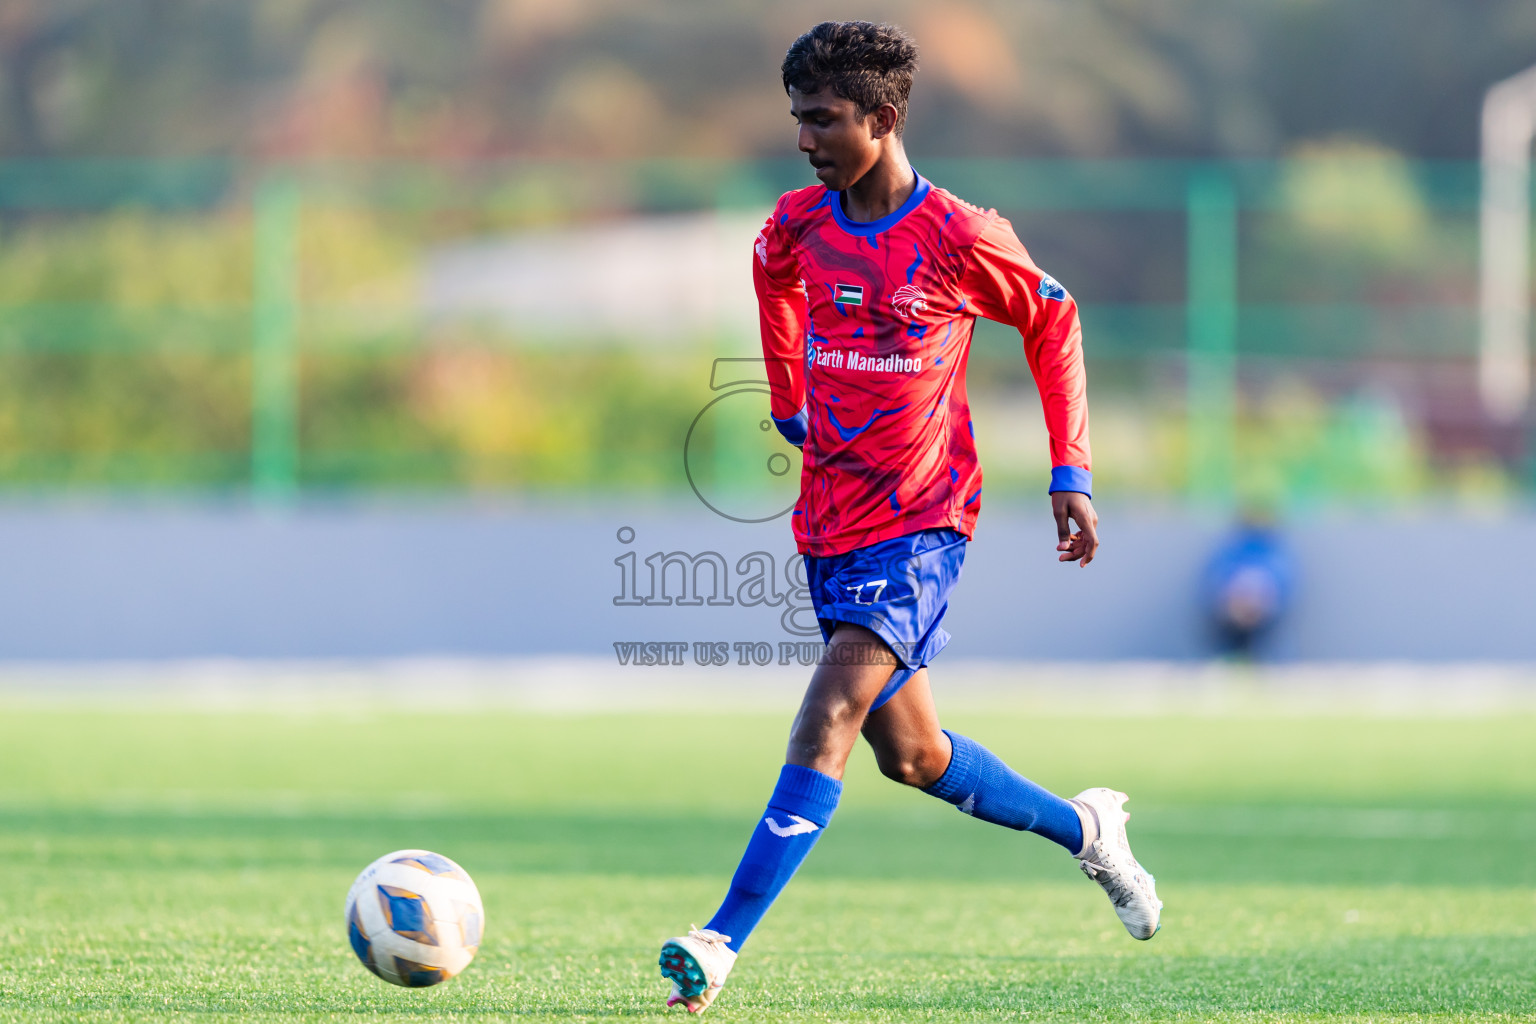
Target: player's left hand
[1084,544]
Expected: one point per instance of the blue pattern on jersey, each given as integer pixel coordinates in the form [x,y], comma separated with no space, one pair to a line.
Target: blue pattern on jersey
[849,433]
[915,263]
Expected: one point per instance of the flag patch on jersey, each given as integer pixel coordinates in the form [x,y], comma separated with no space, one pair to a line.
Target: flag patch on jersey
[849,294]
[1050,289]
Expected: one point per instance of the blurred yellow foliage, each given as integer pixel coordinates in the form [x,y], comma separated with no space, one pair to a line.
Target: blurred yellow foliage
[1359,196]
[352,256]
[129,257]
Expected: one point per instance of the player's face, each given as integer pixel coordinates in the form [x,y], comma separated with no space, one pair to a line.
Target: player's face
[841,145]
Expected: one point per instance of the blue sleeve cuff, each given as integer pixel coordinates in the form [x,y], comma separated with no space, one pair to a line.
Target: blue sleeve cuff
[795,428]
[1071,478]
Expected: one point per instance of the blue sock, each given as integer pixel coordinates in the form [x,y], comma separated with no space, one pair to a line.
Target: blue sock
[981,785]
[801,806]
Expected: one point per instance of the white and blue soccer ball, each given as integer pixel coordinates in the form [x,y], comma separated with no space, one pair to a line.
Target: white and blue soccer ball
[414,918]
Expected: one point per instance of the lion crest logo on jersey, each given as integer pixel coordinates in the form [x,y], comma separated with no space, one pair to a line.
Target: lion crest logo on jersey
[907,300]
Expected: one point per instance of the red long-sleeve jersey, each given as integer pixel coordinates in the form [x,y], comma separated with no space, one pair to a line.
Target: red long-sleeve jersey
[866,329]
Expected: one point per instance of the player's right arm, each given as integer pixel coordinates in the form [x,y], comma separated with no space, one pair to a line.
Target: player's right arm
[1002,283]
[781,316]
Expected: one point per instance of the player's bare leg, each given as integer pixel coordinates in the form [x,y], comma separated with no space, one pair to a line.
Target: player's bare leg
[836,706]
[910,745]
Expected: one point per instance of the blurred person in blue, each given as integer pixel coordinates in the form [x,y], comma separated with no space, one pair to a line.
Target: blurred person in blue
[1247,585]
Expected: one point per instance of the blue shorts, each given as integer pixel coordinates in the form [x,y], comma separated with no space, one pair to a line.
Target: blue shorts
[898,589]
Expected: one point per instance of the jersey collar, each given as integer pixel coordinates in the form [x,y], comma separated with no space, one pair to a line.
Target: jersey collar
[874,227]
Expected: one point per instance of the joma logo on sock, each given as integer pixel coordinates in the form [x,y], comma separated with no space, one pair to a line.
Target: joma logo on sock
[799,828]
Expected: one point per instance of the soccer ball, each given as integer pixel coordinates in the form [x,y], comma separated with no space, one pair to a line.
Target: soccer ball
[414,918]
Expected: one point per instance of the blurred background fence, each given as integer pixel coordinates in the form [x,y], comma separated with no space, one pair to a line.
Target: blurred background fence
[1271,333]
[374,328]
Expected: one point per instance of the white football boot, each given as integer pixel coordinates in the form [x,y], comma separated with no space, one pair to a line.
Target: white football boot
[1107,859]
[696,964]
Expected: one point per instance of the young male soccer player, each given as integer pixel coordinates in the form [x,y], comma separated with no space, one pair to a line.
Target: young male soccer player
[868,286]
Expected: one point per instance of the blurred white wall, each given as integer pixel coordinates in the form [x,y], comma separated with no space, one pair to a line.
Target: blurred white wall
[638,281]
[370,580]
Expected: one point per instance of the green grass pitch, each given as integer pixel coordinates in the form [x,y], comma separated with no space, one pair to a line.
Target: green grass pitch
[164,863]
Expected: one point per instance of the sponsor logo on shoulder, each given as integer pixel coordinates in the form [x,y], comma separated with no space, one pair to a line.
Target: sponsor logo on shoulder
[849,295]
[798,827]
[1050,288]
[907,300]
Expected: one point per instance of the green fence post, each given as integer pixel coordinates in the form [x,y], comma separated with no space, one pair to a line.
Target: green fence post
[1212,335]
[274,349]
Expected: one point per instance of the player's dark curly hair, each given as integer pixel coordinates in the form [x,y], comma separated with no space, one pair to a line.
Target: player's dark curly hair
[867,63]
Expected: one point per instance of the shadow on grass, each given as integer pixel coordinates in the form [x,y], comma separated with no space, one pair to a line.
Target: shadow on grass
[928,843]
